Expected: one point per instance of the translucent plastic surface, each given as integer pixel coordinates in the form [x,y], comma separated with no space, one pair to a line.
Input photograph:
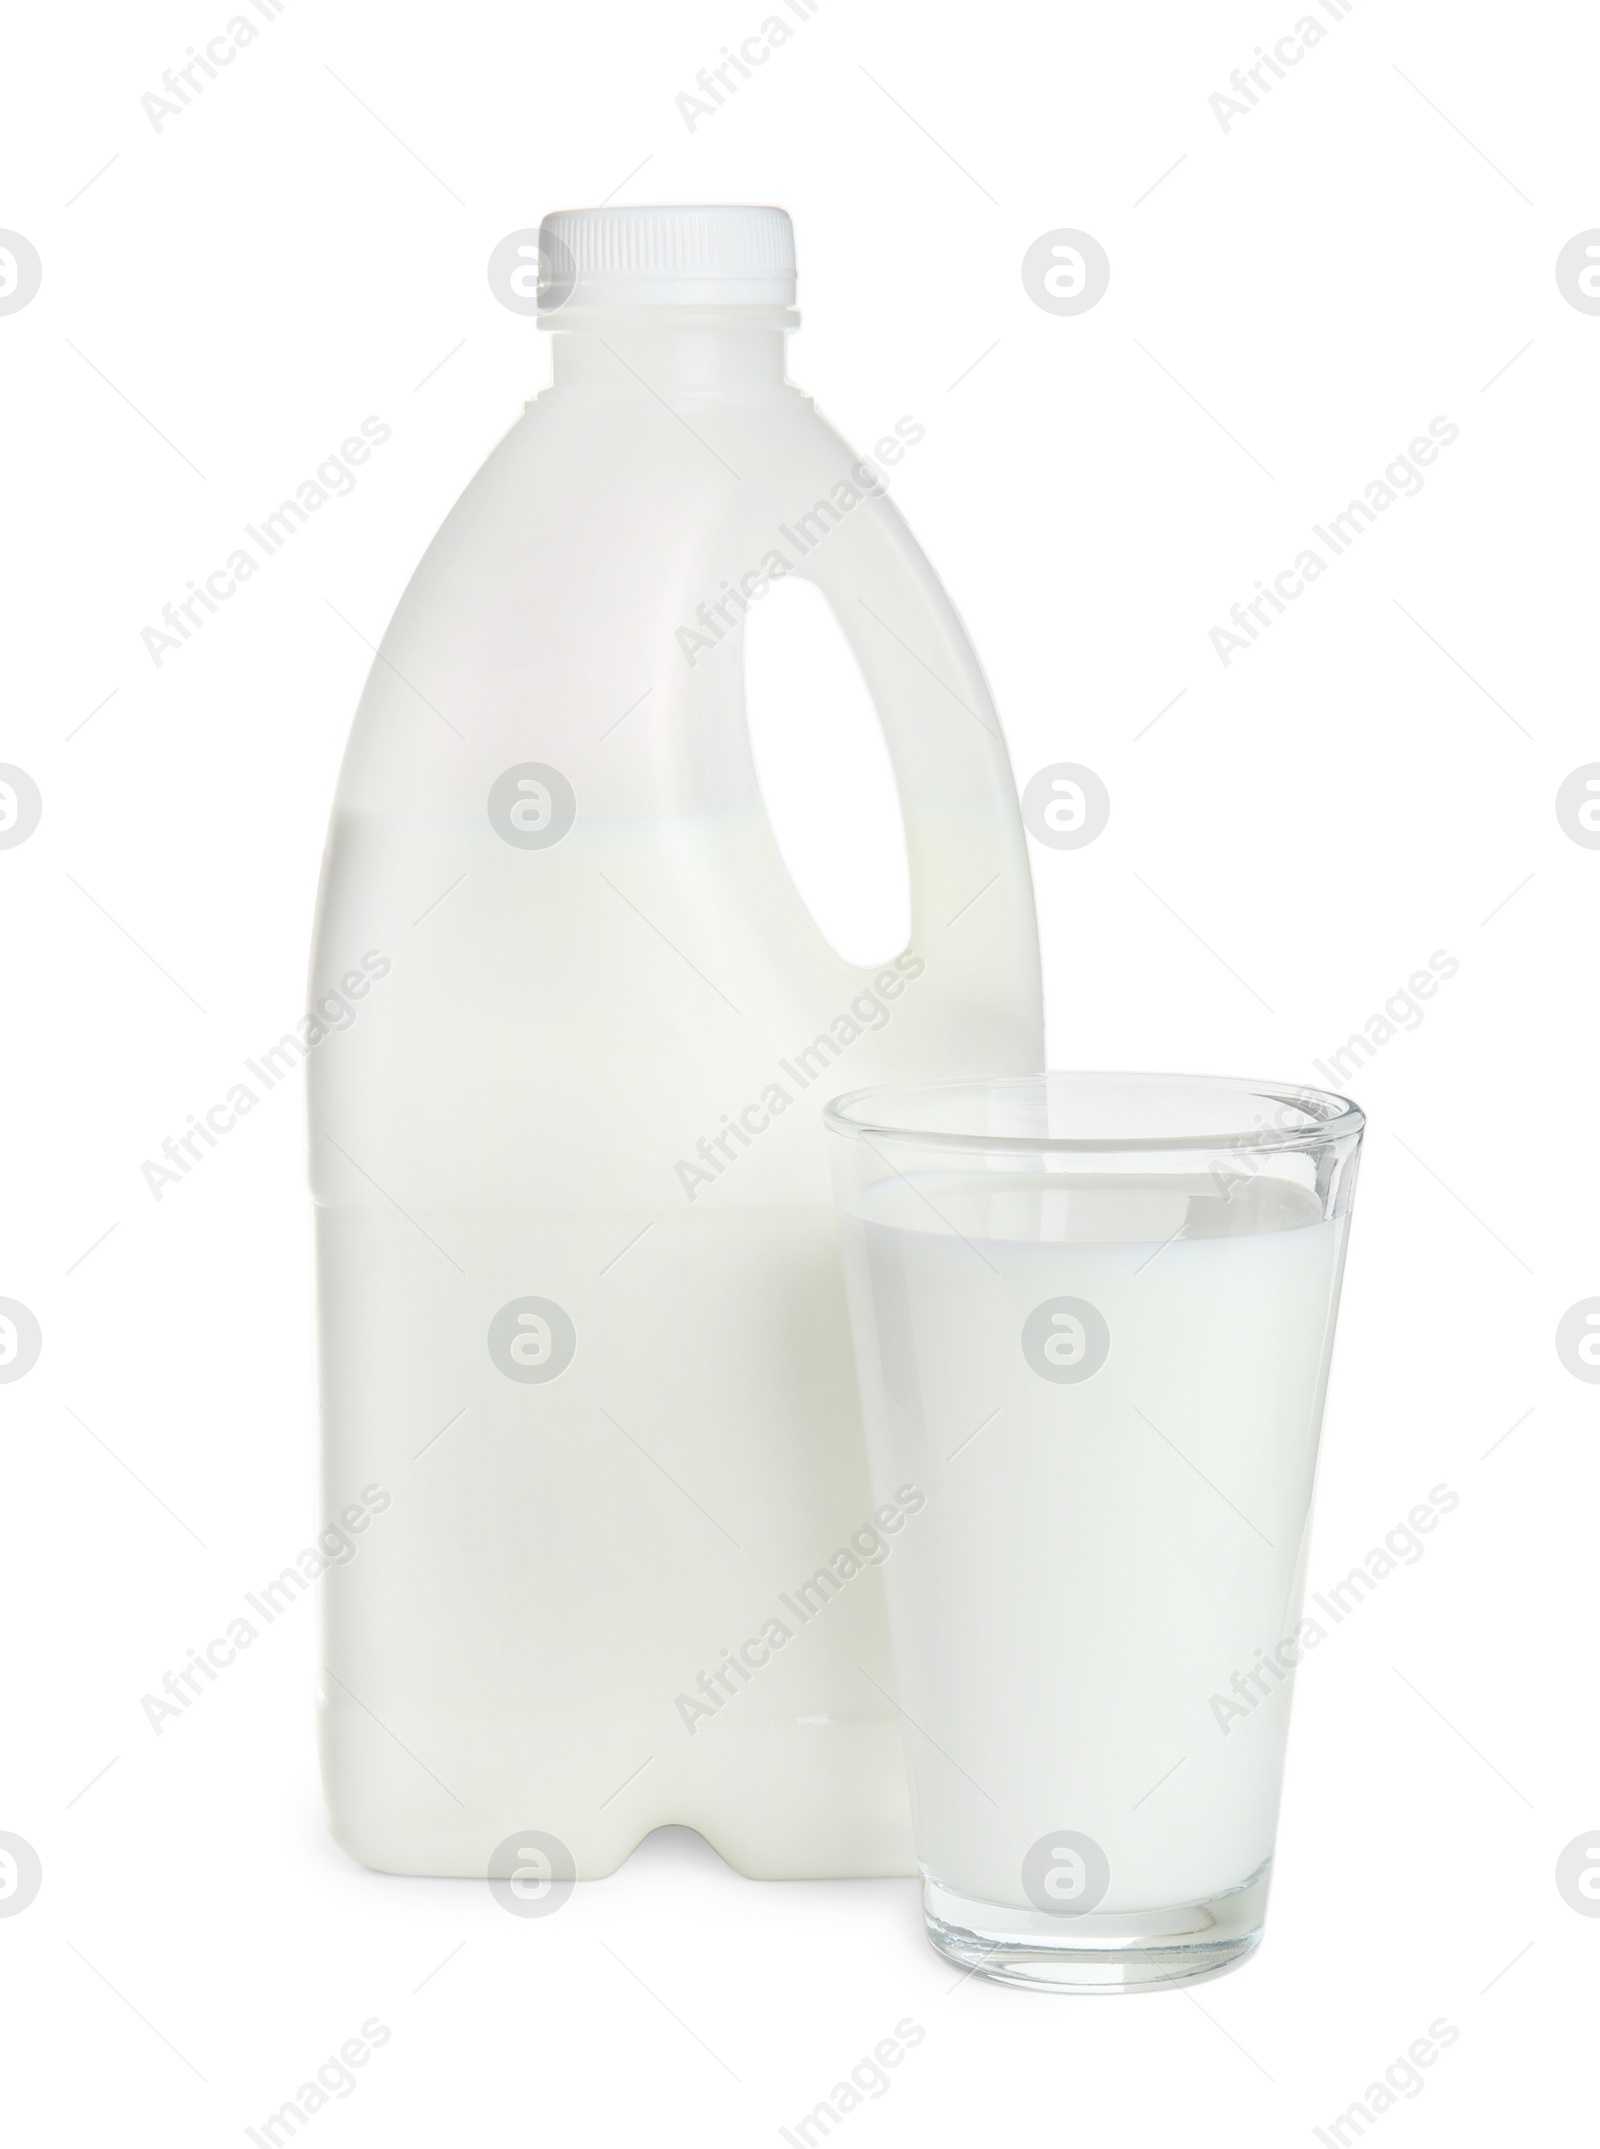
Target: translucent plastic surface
[589,1079]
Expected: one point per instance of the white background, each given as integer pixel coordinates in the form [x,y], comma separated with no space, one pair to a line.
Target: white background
[1370,248]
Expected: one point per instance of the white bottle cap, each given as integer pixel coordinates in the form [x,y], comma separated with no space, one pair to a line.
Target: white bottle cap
[665,257]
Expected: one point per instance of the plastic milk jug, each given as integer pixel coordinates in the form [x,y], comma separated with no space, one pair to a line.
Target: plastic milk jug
[581,1308]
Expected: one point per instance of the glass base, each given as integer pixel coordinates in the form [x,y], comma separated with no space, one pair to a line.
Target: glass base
[1118,1951]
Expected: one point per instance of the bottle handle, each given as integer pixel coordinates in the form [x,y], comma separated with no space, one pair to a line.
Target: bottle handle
[972,904]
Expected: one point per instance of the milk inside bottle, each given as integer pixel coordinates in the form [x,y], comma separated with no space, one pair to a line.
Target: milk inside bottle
[582,1318]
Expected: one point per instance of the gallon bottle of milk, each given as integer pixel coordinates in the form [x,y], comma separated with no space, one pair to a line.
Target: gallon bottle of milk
[607,1555]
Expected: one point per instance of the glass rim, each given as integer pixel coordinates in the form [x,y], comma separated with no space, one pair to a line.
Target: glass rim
[1326,1116]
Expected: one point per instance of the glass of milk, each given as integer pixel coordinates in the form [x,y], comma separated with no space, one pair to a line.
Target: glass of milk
[1092,1319]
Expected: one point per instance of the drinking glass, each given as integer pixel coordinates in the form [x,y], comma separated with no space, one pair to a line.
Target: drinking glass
[1093,1317]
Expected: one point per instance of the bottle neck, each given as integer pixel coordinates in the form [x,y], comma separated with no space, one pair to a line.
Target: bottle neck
[701,350]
